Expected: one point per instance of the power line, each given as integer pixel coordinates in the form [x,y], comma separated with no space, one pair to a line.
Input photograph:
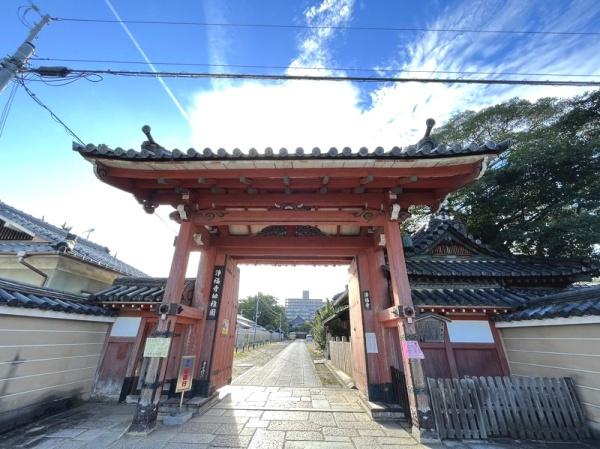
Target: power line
[329,69]
[362,79]
[7,106]
[35,98]
[328,27]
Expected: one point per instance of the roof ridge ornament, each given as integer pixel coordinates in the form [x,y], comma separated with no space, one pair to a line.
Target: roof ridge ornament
[427,142]
[150,144]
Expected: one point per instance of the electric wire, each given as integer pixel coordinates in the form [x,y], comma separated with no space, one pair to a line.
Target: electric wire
[7,106]
[57,119]
[329,69]
[361,79]
[328,27]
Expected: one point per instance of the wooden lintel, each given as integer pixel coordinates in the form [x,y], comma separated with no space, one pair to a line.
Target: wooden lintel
[191,313]
[259,243]
[367,217]
[388,315]
[295,172]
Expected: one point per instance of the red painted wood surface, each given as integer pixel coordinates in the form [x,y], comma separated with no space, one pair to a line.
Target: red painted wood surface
[357,336]
[222,356]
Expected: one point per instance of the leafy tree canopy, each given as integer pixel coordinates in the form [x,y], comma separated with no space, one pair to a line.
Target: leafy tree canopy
[542,197]
[319,331]
[269,311]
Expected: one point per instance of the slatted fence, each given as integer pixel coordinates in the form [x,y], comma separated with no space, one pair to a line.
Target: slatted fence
[515,407]
[340,353]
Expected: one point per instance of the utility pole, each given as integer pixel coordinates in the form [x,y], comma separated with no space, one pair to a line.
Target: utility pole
[256,318]
[10,66]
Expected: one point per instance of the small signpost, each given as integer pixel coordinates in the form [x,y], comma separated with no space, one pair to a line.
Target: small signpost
[184,379]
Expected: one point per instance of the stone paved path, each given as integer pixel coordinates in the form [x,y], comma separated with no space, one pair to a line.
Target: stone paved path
[285,409]
[292,367]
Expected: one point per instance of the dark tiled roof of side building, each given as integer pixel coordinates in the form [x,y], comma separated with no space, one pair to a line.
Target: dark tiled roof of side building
[16,294]
[575,302]
[54,239]
[141,289]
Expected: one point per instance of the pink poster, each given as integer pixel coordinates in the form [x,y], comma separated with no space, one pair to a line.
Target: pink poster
[412,349]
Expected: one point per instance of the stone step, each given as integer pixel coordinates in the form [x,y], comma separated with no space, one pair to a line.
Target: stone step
[382,411]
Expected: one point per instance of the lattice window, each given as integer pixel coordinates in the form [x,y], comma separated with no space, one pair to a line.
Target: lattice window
[430,330]
[451,249]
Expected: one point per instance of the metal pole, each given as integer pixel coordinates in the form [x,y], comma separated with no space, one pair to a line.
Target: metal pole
[255,320]
[10,66]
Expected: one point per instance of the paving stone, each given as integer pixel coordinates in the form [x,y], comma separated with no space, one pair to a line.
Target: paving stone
[221,419]
[230,441]
[339,432]
[229,429]
[303,435]
[192,438]
[203,427]
[340,416]
[366,442]
[256,422]
[250,413]
[285,416]
[67,433]
[322,418]
[215,412]
[294,425]
[396,441]
[248,431]
[335,438]
[358,425]
[371,432]
[319,445]
[184,446]
[267,439]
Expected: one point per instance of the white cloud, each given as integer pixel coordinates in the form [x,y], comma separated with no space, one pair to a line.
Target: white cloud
[326,114]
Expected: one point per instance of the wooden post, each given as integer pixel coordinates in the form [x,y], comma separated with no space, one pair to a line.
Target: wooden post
[144,419]
[420,408]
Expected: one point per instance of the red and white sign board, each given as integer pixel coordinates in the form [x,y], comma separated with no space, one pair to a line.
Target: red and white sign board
[186,373]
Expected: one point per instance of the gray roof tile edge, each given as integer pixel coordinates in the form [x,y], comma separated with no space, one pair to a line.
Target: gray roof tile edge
[43,298]
[207,154]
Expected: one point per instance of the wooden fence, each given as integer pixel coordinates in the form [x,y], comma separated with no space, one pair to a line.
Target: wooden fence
[340,353]
[515,407]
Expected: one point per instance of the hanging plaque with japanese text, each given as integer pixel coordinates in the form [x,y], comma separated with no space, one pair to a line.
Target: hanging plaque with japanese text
[216,290]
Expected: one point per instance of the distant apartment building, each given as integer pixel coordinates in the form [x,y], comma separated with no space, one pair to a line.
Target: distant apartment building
[302,309]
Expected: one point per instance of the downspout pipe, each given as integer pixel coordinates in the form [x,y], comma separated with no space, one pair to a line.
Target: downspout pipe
[21,256]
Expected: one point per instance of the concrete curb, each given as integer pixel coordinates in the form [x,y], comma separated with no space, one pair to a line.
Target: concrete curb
[344,380]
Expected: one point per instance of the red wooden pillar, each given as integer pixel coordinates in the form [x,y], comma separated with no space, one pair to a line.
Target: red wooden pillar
[374,284]
[144,419]
[200,298]
[206,350]
[420,408]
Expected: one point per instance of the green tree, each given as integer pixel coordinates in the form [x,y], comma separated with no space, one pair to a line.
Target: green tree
[270,313]
[319,332]
[542,197]
[307,327]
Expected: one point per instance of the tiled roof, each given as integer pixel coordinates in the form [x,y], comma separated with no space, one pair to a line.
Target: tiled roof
[483,261]
[467,297]
[576,302]
[55,242]
[15,294]
[492,267]
[141,289]
[426,148]
[437,228]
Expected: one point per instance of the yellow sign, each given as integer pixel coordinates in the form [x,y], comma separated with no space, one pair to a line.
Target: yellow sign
[157,347]
[225,330]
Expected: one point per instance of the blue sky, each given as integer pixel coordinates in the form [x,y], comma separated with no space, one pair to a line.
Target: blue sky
[40,174]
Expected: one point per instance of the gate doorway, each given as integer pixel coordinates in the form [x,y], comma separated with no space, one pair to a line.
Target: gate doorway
[295,207]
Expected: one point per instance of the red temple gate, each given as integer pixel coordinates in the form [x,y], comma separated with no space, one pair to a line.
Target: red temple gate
[322,207]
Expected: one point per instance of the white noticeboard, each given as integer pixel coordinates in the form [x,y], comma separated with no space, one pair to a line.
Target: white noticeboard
[157,347]
[371,342]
